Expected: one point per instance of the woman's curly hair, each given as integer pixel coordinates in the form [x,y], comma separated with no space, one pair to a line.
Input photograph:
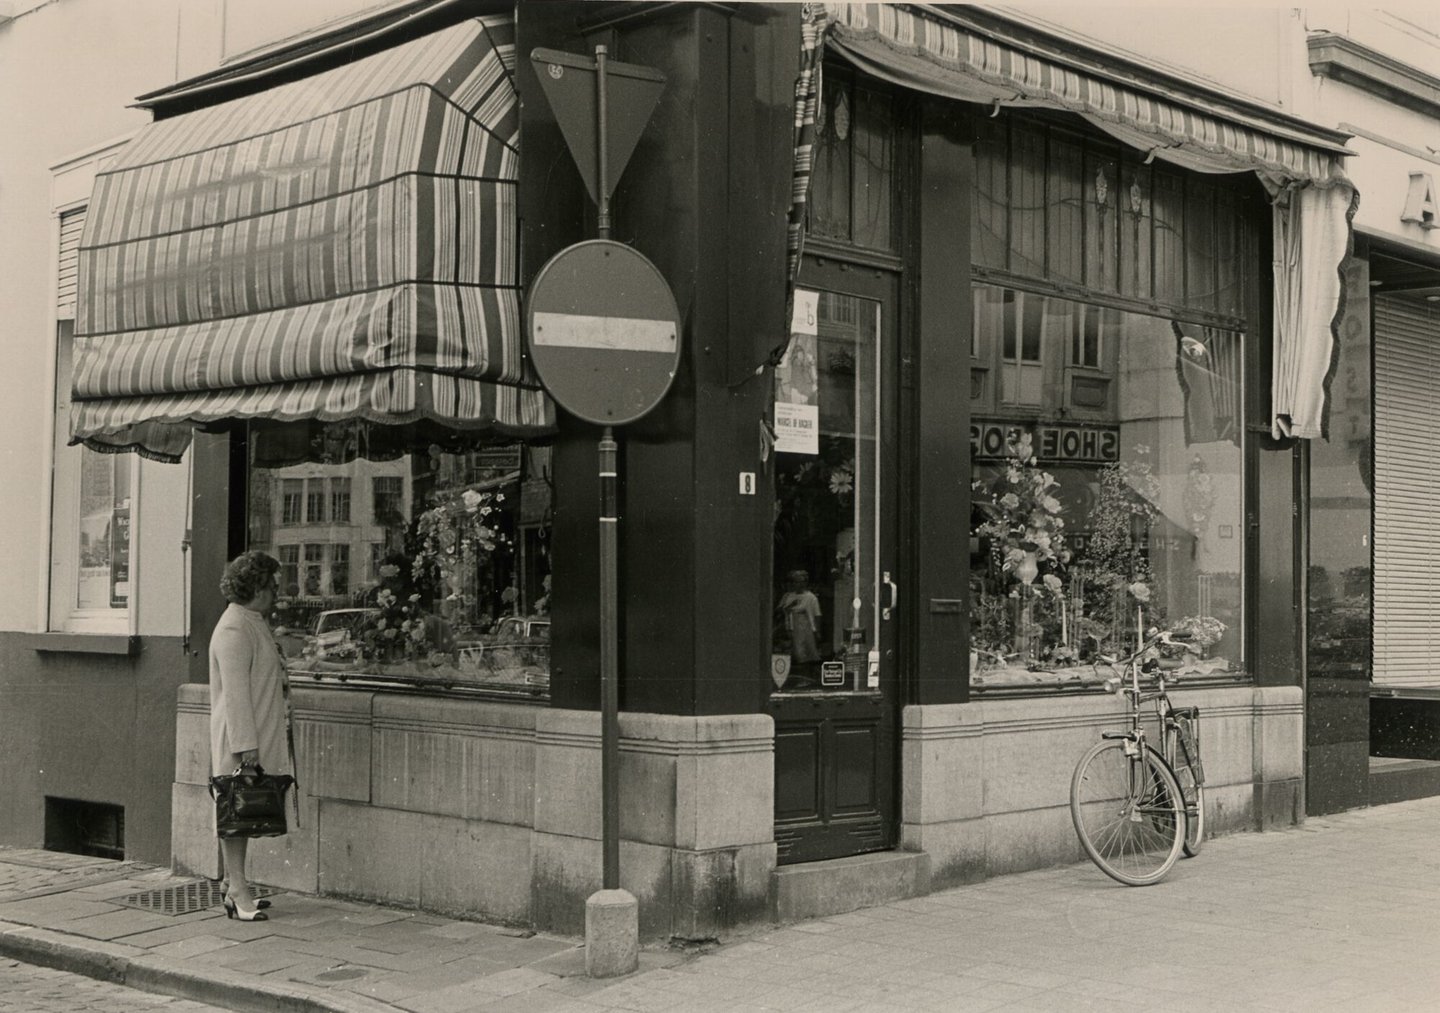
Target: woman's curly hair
[247,575]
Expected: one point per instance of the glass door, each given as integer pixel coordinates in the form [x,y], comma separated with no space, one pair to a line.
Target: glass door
[835,597]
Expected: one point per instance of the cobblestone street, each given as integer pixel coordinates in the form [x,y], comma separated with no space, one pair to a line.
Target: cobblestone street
[25,988]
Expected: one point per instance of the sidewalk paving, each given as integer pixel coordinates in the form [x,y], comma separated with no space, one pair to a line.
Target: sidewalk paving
[1341,913]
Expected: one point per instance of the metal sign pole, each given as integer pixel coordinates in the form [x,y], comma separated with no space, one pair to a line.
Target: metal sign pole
[609,663]
[602,142]
[605,339]
[609,563]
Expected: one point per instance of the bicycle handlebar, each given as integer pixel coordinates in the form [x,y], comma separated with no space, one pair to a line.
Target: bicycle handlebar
[1157,637]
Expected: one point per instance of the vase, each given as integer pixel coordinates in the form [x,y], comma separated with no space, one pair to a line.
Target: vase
[1028,569]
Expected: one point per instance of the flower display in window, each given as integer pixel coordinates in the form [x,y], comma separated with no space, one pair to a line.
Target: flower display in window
[1022,511]
[455,536]
[397,627]
[1204,631]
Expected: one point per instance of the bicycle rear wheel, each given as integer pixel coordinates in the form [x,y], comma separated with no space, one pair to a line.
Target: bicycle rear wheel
[1128,813]
[1194,795]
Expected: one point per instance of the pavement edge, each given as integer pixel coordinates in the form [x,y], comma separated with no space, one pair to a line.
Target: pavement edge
[136,968]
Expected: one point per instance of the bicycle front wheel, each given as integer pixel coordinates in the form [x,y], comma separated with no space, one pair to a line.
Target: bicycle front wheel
[1128,813]
[1184,755]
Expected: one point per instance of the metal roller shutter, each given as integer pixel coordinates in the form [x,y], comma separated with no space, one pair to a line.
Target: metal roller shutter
[1407,468]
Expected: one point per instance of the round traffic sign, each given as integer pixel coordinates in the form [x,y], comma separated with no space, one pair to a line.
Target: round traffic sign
[604,332]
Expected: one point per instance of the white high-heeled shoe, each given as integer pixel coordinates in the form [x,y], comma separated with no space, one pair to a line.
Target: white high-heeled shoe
[234,910]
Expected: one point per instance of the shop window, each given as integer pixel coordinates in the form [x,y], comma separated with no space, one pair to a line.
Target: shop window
[92,494]
[852,194]
[1342,477]
[990,215]
[1097,514]
[1069,209]
[439,577]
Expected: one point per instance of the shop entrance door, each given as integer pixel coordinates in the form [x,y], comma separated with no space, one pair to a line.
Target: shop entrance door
[835,599]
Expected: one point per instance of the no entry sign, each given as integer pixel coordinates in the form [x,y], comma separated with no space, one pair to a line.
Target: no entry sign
[604,332]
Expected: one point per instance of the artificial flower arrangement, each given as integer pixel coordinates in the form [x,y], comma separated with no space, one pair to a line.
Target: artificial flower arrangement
[1022,512]
[400,630]
[1204,631]
[454,535]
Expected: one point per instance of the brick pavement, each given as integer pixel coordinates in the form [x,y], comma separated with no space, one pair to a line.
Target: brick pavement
[1338,914]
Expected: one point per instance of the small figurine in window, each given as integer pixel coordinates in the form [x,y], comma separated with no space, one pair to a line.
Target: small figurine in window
[801,611]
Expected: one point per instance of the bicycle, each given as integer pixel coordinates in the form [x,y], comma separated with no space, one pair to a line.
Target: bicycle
[1136,809]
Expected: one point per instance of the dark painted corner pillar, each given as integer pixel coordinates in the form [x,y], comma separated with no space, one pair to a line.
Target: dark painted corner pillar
[939,528]
[704,197]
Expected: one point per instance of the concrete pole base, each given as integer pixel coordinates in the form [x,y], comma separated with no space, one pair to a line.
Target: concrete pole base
[612,933]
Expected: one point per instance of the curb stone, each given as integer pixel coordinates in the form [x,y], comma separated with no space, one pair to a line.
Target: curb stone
[93,958]
[135,968]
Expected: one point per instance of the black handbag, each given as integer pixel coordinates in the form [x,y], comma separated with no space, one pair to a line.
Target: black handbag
[250,803]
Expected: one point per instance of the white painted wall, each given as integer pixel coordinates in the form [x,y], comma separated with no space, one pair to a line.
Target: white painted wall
[68,71]
[1247,50]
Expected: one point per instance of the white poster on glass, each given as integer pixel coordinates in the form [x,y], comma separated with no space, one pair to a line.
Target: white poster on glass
[797,382]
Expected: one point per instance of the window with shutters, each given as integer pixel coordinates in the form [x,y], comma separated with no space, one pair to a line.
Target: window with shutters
[1406,637]
[93,495]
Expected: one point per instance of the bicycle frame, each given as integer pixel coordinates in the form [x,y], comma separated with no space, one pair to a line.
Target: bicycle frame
[1175,733]
[1135,809]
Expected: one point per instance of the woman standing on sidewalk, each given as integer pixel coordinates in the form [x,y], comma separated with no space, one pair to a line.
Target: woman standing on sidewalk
[248,712]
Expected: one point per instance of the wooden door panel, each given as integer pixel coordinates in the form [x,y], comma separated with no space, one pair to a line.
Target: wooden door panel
[797,772]
[855,764]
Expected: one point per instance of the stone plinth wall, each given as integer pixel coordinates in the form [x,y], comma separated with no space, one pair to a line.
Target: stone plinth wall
[987,784]
[492,809]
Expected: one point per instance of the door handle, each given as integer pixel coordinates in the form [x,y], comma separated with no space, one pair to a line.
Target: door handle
[894,595]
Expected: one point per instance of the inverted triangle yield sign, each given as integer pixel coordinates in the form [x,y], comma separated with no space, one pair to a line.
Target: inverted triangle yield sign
[631,93]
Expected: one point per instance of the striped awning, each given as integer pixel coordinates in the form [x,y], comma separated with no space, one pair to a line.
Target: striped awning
[341,246]
[947,52]
[964,52]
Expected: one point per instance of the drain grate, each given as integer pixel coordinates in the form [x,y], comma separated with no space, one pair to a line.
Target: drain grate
[185,898]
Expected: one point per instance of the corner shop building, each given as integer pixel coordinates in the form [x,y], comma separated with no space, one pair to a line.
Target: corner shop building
[1001,232]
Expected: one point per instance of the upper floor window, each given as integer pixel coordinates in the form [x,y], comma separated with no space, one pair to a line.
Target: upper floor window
[340,500]
[92,494]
